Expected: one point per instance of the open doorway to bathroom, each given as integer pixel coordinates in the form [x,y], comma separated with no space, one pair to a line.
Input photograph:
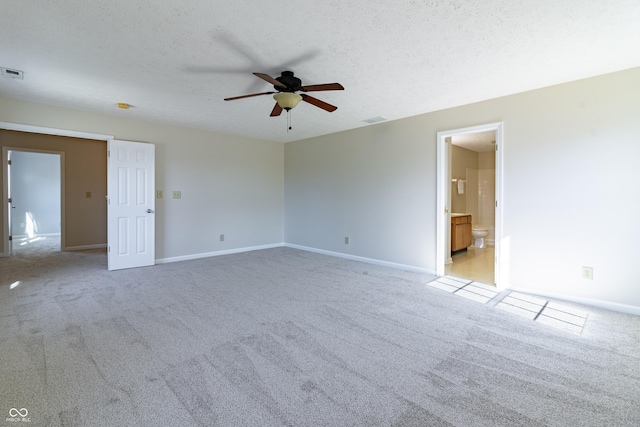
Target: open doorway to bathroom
[473,207]
[469,194]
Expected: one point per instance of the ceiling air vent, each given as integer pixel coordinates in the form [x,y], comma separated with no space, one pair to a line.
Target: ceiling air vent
[375,119]
[12,74]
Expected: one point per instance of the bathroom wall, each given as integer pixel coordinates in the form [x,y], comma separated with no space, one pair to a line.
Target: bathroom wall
[461,159]
[486,201]
[478,199]
[487,160]
[487,193]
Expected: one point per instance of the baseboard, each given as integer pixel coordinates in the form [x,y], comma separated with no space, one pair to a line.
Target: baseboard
[24,236]
[607,305]
[216,253]
[363,259]
[84,247]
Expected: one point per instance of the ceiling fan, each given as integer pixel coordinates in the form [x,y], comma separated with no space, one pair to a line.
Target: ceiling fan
[286,86]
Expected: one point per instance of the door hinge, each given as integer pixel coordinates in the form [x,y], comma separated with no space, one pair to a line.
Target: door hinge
[496,203]
[10,238]
[10,200]
[9,162]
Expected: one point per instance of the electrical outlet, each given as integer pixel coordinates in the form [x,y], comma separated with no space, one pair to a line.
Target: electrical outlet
[587,273]
[177,194]
[347,240]
[88,194]
[159,194]
[222,237]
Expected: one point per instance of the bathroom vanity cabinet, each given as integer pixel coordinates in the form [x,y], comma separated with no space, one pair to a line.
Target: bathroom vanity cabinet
[460,232]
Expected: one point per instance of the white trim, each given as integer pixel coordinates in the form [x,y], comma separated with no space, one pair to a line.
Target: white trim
[442,203]
[217,253]
[362,259]
[22,236]
[85,247]
[53,131]
[607,305]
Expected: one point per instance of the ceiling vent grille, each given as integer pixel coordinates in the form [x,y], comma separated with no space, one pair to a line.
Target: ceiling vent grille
[375,119]
[12,74]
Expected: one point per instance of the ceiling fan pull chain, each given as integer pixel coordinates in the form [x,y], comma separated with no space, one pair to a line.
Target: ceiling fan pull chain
[288,120]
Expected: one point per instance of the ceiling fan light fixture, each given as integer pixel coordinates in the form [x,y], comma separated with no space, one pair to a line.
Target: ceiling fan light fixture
[287,100]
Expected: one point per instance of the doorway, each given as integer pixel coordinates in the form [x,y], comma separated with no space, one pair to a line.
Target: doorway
[84,209]
[34,184]
[481,187]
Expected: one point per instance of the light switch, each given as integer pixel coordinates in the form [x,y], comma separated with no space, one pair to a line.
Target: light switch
[159,194]
[88,194]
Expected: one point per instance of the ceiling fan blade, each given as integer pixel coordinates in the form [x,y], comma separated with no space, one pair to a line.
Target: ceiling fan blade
[269,79]
[315,101]
[326,86]
[248,96]
[276,110]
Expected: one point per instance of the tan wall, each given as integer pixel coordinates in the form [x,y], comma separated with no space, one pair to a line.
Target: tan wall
[487,160]
[461,159]
[85,170]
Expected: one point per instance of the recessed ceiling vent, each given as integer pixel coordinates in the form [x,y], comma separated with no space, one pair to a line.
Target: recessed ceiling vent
[12,74]
[375,119]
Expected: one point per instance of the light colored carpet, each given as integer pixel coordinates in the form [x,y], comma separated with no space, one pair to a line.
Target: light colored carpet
[282,337]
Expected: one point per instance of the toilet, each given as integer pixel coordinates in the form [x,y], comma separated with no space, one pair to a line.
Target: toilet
[479,233]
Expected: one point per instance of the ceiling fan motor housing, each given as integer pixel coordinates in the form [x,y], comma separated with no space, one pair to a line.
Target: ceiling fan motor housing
[293,84]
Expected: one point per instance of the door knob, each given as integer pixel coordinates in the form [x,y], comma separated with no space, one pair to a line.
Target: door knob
[149,211]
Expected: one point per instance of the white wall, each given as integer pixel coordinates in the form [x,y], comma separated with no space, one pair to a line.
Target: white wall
[571,154]
[229,185]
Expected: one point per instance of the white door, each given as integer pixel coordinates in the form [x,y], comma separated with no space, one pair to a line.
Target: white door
[131,204]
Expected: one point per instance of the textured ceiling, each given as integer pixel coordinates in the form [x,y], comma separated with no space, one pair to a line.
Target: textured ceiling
[175,61]
[477,141]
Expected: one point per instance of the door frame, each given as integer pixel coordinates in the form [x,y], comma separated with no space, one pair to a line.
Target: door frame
[5,193]
[46,131]
[443,202]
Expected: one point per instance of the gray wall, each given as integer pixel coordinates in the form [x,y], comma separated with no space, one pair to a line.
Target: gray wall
[35,190]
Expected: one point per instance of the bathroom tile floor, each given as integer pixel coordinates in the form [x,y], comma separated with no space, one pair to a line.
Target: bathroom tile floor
[473,264]
[550,313]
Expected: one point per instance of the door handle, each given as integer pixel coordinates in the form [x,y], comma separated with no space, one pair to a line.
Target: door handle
[149,211]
